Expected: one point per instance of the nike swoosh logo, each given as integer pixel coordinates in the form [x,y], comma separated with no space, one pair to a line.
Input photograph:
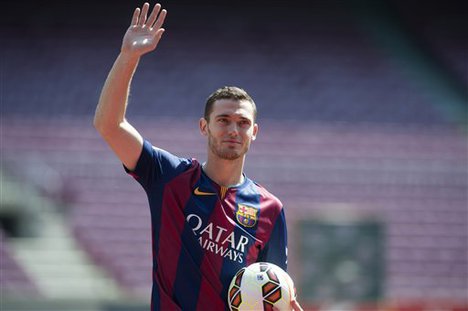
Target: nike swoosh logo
[197,191]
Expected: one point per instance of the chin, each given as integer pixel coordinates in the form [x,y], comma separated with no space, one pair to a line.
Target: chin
[230,156]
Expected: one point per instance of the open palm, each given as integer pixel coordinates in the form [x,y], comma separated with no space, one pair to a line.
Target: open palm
[144,33]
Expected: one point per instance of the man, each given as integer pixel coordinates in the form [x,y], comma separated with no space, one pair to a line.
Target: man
[208,220]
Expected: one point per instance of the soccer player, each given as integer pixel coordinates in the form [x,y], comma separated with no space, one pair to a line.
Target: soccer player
[208,220]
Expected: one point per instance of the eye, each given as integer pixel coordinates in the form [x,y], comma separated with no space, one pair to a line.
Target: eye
[244,123]
[223,120]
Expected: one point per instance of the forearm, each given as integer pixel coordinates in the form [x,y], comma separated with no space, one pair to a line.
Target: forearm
[140,38]
[110,111]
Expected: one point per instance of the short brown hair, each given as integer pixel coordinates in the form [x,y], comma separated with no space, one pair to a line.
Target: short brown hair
[228,92]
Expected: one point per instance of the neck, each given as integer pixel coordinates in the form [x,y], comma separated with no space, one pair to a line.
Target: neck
[224,172]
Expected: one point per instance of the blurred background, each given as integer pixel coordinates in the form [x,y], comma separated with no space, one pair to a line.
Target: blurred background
[363,136]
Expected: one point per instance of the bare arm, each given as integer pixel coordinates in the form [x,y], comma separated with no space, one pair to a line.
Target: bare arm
[142,37]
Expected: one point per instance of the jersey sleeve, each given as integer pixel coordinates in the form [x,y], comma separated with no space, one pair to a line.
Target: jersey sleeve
[276,249]
[157,165]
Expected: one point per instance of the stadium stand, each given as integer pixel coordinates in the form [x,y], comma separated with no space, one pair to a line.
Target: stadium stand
[345,123]
[414,180]
[297,79]
[441,32]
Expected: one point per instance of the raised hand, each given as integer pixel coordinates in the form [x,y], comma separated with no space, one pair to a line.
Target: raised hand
[144,33]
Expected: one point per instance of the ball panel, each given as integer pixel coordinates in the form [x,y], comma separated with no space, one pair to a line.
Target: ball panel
[274,296]
[272,275]
[263,266]
[268,288]
[239,277]
[233,291]
[236,299]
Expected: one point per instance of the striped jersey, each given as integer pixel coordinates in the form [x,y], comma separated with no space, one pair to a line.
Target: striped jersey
[203,233]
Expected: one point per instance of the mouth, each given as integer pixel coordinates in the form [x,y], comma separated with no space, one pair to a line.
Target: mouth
[230,141]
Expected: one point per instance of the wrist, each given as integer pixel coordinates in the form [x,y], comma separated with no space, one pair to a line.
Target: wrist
[129,57]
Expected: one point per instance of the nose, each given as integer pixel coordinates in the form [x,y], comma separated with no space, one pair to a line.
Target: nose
[233,130]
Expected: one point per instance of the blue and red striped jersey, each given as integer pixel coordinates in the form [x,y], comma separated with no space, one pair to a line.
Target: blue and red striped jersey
[203,233]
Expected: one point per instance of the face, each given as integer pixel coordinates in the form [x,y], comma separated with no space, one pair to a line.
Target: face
[231,128]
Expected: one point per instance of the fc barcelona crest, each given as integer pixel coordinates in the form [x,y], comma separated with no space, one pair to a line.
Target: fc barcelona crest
[247,215]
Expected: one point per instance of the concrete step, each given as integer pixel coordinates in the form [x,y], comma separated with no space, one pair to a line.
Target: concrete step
[59,267]
[47,250]
[73,288]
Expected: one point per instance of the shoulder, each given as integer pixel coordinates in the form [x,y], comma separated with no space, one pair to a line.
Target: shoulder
[167,164]
[267,199]
[163,155]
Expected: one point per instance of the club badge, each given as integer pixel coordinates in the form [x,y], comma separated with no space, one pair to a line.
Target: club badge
[246,215]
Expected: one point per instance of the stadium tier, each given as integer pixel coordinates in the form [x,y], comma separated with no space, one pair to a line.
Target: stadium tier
[413,181]
[326,67]
[363,117]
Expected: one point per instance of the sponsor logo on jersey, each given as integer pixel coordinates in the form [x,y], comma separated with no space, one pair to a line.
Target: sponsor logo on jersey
[197,191]
[246,215]
[219,240]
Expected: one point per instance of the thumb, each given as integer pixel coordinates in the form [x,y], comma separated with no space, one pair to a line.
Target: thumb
[160,32]
[295,305]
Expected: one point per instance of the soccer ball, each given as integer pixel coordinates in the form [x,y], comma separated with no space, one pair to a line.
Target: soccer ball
[261,286]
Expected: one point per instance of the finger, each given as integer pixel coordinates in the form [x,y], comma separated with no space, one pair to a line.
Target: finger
[136,13]
[159,33]
[153,15]
[160,20]
[296,306]
[144,11]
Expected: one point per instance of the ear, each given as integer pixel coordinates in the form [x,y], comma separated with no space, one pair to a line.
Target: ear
[203,124]
[255,131]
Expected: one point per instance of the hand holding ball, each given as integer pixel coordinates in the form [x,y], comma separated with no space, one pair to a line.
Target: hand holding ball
[261,286]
